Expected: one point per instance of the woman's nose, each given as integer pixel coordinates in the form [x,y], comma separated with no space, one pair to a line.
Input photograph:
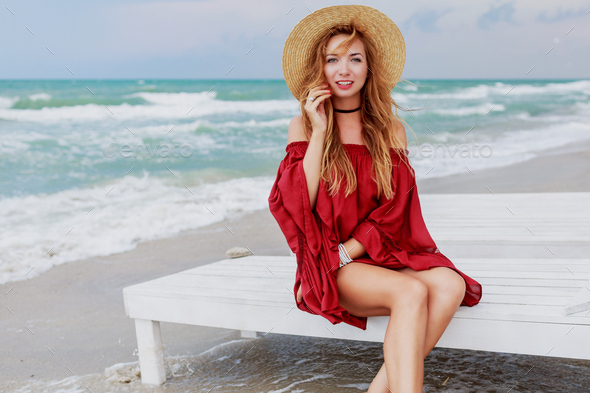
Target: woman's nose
[344,69]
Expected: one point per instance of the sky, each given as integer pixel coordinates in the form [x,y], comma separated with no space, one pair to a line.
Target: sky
[243,39]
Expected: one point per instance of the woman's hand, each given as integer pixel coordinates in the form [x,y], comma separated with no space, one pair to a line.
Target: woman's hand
[299,297]
[315,109]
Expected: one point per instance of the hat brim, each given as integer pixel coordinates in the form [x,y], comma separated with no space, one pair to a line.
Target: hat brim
[377,27]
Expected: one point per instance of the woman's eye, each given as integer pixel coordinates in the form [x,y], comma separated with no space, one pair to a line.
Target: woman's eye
[357,59]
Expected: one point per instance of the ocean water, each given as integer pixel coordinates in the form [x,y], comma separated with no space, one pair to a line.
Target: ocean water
[293,364]
[93,167]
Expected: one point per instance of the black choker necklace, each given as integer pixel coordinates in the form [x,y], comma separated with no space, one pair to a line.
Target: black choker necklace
[346,110]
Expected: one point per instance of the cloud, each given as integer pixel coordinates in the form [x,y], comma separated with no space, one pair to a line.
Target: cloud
[502,13]
[560,15]
[174,27]
[426,20]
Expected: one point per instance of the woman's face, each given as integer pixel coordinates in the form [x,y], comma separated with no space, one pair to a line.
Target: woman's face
[350,65]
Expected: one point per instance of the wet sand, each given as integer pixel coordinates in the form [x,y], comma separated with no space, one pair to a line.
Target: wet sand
[70,321]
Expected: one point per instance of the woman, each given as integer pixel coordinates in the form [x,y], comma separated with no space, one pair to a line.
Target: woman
[346,199]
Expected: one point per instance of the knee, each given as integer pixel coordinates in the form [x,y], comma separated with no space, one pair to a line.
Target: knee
[414,294]
[452,288]
[459,288]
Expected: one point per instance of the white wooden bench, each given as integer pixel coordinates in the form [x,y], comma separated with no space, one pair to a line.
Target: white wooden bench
[536,306]
[530,225]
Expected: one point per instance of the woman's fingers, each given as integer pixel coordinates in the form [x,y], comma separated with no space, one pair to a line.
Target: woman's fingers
[319,90]
[324,93]
[313,108]
[321,98]
[318,99]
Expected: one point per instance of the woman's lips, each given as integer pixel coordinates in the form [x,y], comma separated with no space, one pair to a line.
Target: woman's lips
[345,87]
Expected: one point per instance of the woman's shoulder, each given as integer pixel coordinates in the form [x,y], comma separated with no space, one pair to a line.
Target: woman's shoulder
[296,132]
[296,138]
[400,132]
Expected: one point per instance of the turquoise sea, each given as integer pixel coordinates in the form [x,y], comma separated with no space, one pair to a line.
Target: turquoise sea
[92,167]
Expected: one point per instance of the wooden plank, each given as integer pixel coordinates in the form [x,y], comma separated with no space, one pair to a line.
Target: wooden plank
[583,269]
[519,282]
[550,300]
[575,273]
[515,311]
[569,268]
[274,284]
[531,203]
[250,281]
[237,299]
[536,217]
[579,302]
[267,285]
[255,283]
[530,274]
[289,260]
[541,291]
[282,296]
[285,294]
[287,264]
[223,302]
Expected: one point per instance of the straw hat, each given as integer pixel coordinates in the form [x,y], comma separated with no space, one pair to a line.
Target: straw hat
[377,26]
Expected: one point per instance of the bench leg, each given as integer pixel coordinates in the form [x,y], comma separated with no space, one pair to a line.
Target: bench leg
[151,354]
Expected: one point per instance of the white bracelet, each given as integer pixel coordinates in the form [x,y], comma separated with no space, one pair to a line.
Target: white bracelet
[343,259]
[344,256]
[349,259]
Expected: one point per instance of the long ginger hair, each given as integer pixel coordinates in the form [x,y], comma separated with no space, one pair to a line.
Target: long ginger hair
[377,117]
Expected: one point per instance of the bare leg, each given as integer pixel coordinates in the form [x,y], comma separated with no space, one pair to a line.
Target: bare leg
[379,383]
[367,290]
[446,290]
[403,345]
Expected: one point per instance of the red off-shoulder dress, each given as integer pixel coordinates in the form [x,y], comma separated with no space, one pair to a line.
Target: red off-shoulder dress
[392,230]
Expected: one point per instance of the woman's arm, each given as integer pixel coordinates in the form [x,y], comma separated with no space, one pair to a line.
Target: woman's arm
[355,248]
[312,162]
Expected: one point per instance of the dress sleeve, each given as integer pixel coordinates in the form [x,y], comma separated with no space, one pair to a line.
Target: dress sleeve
[397,223]
[289,202]
[310,237]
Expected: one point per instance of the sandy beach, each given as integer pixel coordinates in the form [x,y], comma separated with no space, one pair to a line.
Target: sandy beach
[71,319]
